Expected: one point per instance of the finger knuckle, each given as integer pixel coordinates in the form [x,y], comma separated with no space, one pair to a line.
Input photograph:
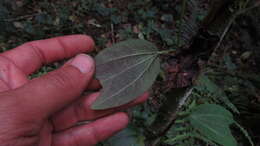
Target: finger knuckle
[64,79]
[35,50]
[4,67]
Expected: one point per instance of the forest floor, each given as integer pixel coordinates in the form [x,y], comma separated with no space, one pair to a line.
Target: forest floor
[215,62]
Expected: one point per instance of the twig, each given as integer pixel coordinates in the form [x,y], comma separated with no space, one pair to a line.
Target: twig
[184,99]
[232,21]
[168,114]
[112,33]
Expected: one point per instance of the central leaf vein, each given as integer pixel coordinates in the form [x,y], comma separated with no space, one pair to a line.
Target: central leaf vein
[130,67]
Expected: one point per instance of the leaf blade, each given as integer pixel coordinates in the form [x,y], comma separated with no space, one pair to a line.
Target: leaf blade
[126,76]
[213,122]
[218,93]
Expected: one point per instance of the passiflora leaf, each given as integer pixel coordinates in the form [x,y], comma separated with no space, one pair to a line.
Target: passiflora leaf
[213,122]
[125,70]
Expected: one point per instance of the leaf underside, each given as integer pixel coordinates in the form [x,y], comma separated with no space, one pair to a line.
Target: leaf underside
[126,71]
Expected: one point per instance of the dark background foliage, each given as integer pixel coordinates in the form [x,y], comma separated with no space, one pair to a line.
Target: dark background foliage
[215,58]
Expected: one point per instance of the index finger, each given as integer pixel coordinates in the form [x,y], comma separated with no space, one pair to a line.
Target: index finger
[31,56]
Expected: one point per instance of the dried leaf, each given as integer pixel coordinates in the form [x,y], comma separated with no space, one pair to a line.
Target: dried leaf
[126,70]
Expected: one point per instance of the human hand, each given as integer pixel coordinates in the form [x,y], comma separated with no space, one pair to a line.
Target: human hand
[45,111]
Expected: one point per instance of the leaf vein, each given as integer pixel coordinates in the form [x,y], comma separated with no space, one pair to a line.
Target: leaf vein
[148,66]
[130,67]
[122,57]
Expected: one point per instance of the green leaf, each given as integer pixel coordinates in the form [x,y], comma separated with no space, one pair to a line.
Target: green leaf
[213,122]
[229,64]
[204,82]
[167,18]
[126,70]
[127,137]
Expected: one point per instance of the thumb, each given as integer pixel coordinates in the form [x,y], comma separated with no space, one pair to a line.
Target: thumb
[45,95]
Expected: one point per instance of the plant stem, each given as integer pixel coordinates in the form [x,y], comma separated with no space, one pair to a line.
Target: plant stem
[257,4]
[183,10]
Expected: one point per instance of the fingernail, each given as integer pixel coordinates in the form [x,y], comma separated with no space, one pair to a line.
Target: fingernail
[83,62]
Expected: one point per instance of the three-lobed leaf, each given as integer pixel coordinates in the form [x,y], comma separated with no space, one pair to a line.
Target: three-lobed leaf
[125,70]
[213,122]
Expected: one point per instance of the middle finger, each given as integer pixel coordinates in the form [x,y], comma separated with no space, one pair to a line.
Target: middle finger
[81,111]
